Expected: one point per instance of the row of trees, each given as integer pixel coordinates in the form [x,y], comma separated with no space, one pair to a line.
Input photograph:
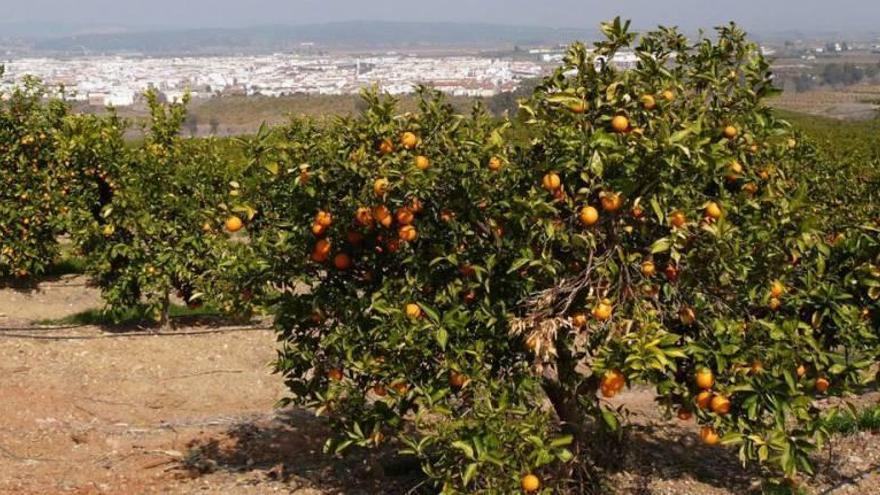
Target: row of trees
[475,292]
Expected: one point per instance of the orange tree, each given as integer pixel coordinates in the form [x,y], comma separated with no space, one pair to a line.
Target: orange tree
[156,223]
[30,180]
[480,301]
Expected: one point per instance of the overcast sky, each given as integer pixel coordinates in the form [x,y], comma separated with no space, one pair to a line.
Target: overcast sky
[764,15]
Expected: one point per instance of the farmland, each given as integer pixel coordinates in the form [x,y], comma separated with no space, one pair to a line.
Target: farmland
[650,266]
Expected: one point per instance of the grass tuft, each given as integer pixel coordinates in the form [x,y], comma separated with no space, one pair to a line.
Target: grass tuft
[850,423]
[135,316]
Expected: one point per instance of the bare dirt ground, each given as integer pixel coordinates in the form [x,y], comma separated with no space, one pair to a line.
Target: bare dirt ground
[859,102]
[85,411]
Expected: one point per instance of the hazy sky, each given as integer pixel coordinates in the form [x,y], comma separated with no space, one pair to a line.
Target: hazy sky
[775,15]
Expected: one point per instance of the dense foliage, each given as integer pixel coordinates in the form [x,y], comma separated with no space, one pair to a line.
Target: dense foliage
[30,206]
[475,290]
[656,228]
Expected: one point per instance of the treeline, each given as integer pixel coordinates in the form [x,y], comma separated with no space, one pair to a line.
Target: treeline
[836,74]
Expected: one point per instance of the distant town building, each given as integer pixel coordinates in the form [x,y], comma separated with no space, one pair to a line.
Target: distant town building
[118,80]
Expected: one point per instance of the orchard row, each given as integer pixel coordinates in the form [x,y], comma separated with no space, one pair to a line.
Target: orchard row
[475,290]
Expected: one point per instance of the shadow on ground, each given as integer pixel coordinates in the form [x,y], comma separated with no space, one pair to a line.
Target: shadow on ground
[289,449]
[656,454]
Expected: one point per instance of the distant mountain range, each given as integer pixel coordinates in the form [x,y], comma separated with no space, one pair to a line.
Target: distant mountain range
[276,38]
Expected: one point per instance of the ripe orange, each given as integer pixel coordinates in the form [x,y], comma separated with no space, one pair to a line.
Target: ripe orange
[822,384]
[579,107]
[318,230]
[668,95]
[637,212]
[687,315]
[734,171]
[720,405]
[648,102]
[324,219]
[648,268]
[751,188]
[495,164]
[612,382]
[382,215]
[409,140]
[756,367]
[446,216]
[774,304]
[380,390]
[407,233]
[684,414]
[234,224]
[801,371]
[380,187]
[777,289]
[579,320]
[342,261]
[422,162]
[704,399]
[551,181]
[413,311]
[730,132]
[589,216]
[671,273]
[709,436]
[603,310]
[456,379]
[620,124]
[530,483]
[704,378]
[386,147]
[400,387]
[713,211]
[321,251]
[677,219]
[363,216]
[404,216]
[611,202]
[335,374]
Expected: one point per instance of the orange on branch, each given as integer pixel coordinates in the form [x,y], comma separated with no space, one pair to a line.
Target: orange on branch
[530,483]
[588,216]
[551,181]
[704,378]
[620,124]
[409,140]
[234,224]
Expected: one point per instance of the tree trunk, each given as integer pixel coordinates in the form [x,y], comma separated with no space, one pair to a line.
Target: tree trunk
[165,316]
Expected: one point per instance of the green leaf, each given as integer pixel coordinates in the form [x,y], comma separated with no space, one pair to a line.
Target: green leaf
[469,473]
[562,441]
[610,420]
[442,337]
[660,245]
[466,449]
